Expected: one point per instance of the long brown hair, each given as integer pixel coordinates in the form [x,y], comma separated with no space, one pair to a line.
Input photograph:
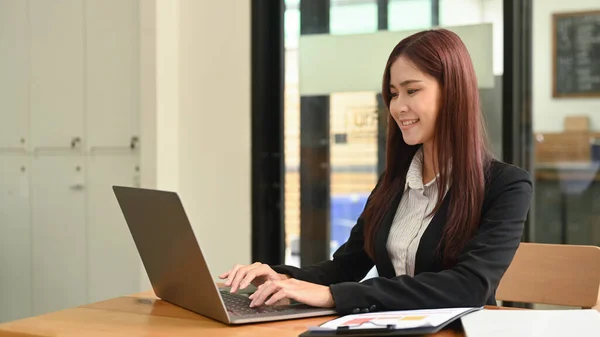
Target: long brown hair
[459,141]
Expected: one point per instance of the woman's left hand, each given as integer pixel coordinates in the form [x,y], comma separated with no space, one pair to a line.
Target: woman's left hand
[308,293]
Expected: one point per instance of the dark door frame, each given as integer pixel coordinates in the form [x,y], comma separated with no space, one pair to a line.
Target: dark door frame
[517,129]
[267,120]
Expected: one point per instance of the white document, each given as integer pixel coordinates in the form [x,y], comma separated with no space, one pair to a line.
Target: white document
[532,323]
[407,319]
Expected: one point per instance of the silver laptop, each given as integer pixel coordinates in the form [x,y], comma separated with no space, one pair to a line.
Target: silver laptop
[176,267]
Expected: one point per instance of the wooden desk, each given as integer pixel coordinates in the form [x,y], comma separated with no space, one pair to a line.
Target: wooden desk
[145,315]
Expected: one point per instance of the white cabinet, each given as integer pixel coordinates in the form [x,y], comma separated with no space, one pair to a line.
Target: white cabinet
[69,108]
[14,67]
[59,233]
[15,238]
[112,257]
[57,73]
[112,79]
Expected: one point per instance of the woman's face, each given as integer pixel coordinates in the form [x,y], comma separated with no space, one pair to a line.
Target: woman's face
[415,100]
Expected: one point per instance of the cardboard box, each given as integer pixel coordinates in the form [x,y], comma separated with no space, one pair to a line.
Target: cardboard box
[577,124]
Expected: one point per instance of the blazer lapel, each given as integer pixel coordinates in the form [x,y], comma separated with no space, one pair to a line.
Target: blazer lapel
[427,258]
[385,268]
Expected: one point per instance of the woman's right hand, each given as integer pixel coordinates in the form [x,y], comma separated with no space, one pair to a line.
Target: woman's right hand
[257,273]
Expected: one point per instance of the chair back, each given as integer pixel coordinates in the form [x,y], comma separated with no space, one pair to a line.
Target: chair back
[566,275]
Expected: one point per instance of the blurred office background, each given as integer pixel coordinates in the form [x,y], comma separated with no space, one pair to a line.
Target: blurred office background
[265,116]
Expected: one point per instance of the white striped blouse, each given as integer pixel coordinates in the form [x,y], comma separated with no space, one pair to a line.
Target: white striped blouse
[411,220]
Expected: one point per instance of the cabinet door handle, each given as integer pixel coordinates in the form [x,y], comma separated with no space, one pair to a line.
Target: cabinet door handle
[77,187]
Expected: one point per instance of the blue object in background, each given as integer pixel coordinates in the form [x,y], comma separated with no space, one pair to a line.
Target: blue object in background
[345,210]
[595,150]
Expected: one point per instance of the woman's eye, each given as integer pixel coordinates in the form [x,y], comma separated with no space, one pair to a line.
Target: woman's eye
[393,94]
[411,92]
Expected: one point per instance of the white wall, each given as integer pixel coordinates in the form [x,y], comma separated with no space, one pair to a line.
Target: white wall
[148,86]
[197,90]
[167,94]
[465,12]
[493,11]
[214,127]
[319,54]
[460,12]
[549,112]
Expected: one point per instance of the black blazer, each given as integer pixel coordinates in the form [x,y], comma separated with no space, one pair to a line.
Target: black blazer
[472,282]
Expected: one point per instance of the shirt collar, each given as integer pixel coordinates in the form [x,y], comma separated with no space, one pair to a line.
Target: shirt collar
[414,176]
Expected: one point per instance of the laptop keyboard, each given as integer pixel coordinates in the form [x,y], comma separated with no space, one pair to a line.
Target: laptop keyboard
[240,305]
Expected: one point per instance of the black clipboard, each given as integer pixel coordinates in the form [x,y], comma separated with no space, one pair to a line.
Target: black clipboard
[390,330]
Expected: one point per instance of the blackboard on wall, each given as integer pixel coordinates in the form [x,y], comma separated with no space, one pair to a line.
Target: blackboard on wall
[576,54]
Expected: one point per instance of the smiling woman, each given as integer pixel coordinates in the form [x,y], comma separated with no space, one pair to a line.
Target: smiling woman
[430,74]
[445,219]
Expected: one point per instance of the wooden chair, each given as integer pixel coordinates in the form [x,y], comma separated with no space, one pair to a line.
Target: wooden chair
[566,275]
